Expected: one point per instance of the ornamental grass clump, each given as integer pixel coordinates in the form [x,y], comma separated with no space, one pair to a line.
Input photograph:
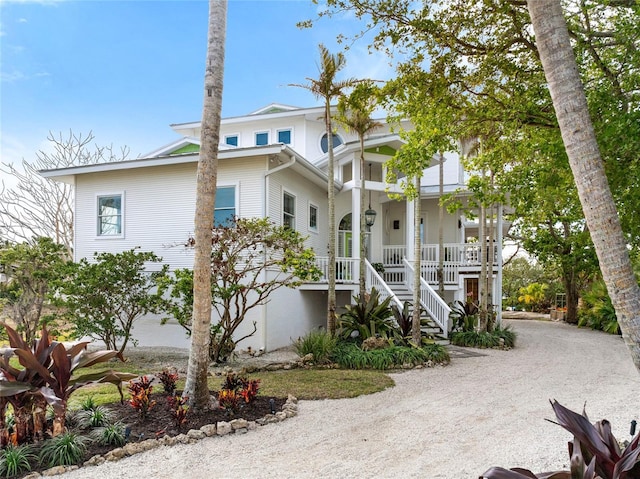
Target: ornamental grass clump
[319,343]
[64,450]
[110,435]
[15,460]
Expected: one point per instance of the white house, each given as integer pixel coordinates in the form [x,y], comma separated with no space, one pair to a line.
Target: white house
[272,163]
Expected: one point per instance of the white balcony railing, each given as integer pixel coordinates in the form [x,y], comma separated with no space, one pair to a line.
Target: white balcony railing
[459,254]
[345,269]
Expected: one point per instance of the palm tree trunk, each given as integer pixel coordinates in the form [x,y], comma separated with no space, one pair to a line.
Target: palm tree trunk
[196,385]
[599,209]
[331,294]
[417,265]
[441,227]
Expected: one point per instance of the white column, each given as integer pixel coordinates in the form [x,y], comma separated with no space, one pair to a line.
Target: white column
[355,225]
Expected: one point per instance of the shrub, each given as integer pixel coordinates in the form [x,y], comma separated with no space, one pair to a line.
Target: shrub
[15,460]
[464,316]
[320,343]
[63,450]
[367,317]
[594,452]
[241,387]
[110,435]
[168,378]
[179,408]
[141,396]
[350,355]
[597,310]
[229,400]
[485,340]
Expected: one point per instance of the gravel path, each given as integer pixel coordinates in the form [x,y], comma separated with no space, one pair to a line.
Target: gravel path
[450,422]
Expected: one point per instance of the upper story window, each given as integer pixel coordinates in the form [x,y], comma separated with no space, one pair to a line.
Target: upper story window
[110,215]
[225,205]
[324,142]
[262,138]
[289,210]
[231,140]
[284,136]
[313,217]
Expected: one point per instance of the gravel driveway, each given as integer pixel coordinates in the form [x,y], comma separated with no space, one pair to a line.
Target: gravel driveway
[450,422]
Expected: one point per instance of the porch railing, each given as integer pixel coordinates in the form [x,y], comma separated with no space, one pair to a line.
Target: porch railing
[345,269]
[460,254]
[431,301]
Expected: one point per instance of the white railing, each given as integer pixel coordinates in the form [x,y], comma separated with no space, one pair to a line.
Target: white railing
[429,272]
[374,280]
[345,269]
[459,254]
[432,303]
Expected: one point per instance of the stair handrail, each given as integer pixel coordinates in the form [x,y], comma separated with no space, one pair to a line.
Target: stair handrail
[431,301]
[374,280]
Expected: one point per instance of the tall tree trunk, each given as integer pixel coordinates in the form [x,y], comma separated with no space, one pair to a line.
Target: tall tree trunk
[196,385]
[482,282]
[417,265]
[441,227]
[571,291]
[599,209]
[490,261]
[331,196]
[363,224]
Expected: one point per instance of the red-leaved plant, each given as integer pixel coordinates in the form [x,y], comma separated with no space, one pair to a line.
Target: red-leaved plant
[179,408]
[168,378]
[141,396]
[595,453]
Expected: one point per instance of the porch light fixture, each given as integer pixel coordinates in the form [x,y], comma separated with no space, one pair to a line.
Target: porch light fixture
[370,215]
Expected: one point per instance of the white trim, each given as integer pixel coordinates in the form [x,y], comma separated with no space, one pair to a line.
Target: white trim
[334,146]
[97,197]
[236,195]
[260,132]
[314,230]
[290,130]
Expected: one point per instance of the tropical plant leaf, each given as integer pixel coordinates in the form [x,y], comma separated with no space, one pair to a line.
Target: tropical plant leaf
[11,388]
[87,359]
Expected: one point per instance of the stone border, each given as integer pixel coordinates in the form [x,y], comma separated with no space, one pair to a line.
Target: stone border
[222,428]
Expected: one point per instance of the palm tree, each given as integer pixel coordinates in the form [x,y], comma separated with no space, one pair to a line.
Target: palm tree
[196,385]
[354,112]
[569,101]
[326,87]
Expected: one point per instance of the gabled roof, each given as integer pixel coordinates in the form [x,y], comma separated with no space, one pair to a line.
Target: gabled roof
[274,108]
[392,141]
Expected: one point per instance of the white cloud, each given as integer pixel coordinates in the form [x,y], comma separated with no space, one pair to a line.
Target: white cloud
[22,20]
[16,75]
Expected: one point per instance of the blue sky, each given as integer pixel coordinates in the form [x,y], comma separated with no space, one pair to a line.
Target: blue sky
[125,70]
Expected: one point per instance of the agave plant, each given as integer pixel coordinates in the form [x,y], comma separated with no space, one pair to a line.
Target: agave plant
[595,453]
[46,375]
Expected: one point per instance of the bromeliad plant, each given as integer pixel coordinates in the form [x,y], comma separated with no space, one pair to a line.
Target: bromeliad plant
[595,453]
[367,317]
[46,377]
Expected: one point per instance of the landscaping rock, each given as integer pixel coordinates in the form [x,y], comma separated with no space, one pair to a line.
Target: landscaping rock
[196,434]
[223,428]
[209,430]
[239,424]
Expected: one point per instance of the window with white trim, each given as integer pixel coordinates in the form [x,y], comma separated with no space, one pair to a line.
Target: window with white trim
[313,217]
[289,210]
[110,215]
[284,136]
[231,140]
[324,142]
[262,138]
[225,209]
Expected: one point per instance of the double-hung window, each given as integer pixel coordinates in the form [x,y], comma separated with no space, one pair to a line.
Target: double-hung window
[225,205]
[313,217]
[110,213]
[289,210]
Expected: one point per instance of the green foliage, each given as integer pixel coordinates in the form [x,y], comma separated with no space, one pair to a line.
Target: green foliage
[15,460]
[316,342]
[350,355]
[109,435]
[141,396]
[244,256]
[242,388]
[104,298]
[99,416]
[533,296]
[464,316]
[594,452]
[404,319]
[520,272]
[367,317]
[88,403]
[485,339]
[597,311]
[63,450]
[31,269]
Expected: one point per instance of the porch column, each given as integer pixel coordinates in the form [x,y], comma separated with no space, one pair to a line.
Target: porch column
[355,227]
[409,231]
[498,283]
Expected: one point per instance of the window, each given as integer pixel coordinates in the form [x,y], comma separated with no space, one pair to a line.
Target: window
[231,140]
[284,136]
[345,237]
[324,143]
[225,205]
[110,215]
[262,138]
[289,211]
[313,217]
